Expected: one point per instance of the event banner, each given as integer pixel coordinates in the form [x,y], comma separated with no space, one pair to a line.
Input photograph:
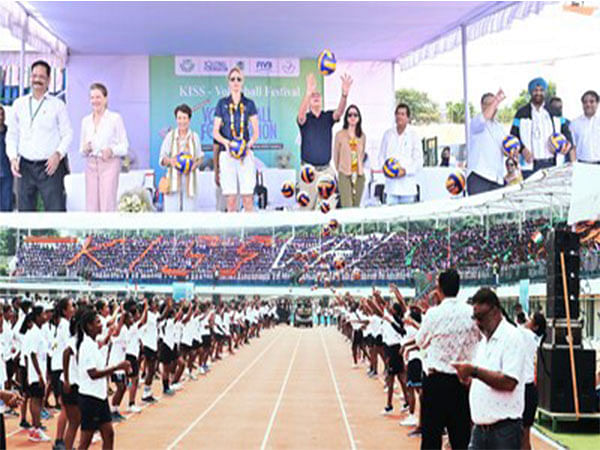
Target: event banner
[275,85]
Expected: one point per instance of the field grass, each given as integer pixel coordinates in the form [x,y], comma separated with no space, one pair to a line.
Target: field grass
[587,439]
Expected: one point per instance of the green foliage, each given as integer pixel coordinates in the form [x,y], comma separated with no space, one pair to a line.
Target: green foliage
[455,112]
[423,109]
[8,242]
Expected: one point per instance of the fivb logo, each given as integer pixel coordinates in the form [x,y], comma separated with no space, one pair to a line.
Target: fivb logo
[263,66]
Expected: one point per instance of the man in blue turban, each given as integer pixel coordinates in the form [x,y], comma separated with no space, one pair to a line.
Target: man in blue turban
[534,124]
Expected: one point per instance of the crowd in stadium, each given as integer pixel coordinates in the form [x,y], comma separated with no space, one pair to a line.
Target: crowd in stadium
[339,257]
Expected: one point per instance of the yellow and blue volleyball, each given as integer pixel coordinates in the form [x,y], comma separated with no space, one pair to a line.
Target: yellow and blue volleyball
[307,174]
[326,62]
[334,224]
[391,168]
[511,145]
[558,141]
[456,183]
[324,206]
[287,189]
[184,162]
[326,186]
[238,149]
[303,198]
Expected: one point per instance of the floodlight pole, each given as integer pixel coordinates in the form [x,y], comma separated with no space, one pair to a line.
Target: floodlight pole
[463,40]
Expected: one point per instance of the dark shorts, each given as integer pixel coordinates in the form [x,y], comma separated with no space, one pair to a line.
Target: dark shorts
[22,378]
[94,412]
[11,368]
[55,382]
[72,398]
[395,361]
[135,366]
[379,340]
[167,354]
[196,344]
[369,340]
[206,341]
[219,337]
[185,348]
[149,353]
[36,390]
[531,404]
[118,378]
[414,373]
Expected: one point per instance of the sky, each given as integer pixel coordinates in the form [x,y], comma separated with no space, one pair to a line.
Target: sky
[558,45]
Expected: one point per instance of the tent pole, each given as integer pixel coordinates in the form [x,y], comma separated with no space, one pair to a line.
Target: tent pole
[463,35]
[22,58]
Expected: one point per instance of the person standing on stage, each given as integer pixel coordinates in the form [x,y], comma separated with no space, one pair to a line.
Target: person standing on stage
[103,143]
[586,130]
[6,176]
[182,140]
[402,143]
[495,375]
[349,155]
[316,135]
[37,142]
[534,124]
[485,160]
[232,116]
[447,334]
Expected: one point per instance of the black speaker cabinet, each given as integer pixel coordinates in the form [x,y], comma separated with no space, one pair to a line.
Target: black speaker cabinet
[554,380]
[557,334]
[567,243]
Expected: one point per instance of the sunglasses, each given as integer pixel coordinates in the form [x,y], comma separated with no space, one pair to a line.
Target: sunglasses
[511,165]
[238,79]
[352,115]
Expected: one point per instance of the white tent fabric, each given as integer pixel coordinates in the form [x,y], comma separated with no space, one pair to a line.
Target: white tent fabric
[486,22]
[545,189]
[18,21]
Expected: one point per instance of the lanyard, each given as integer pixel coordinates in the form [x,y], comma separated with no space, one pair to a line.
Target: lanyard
[32,114]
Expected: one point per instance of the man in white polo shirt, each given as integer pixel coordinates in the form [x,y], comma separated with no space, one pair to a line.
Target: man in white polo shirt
[586,130]
[497,394]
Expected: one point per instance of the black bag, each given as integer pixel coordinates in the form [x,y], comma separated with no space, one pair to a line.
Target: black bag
[260,191]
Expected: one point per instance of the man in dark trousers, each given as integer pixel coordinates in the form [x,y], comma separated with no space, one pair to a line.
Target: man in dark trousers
[447,330]
[37,142]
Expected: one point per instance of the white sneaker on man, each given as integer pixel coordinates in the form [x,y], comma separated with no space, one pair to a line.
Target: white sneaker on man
[134,409]
[176,386]
[38,435]
[409,421]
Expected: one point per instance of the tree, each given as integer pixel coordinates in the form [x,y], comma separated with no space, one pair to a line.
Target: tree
[455,112]
[423,109]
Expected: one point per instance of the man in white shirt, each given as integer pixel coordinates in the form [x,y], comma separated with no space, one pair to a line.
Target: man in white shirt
[586,130]
[485,160]
[448,333]
[497,394]
[37,142]
[402,143]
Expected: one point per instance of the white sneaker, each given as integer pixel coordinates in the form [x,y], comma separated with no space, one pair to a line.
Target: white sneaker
[134,409]
[202,371]
[193,377]
[176,386]
[96,438]
[38,436]
[410,421]
[354,366]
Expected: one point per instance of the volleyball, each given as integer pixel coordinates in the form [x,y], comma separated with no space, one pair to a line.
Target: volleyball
[326,62]
[307,174]
[324,206]
[391,168]
[334,224]
[511,145]
[238,149]
[326,186]
[287,189]
[339,262]
[184,162]
[558,142]
[303,198]
[456,183]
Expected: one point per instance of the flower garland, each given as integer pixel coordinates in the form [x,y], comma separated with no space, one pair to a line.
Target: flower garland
[234,133]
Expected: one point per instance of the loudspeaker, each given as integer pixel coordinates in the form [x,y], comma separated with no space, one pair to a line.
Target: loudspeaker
[555,388]
[567,243]
[557,334]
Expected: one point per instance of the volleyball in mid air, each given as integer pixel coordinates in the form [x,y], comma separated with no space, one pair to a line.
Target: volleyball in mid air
[326,62]
[455,183]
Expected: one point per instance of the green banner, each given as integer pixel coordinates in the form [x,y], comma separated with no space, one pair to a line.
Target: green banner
[277,99]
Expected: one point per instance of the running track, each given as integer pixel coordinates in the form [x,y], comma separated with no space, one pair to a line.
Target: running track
[290,389]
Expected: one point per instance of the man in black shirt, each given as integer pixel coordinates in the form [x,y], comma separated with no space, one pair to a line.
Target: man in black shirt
[315,131]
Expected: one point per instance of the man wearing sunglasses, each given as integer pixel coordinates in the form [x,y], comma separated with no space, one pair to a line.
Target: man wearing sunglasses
[316,135]
[497,393]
